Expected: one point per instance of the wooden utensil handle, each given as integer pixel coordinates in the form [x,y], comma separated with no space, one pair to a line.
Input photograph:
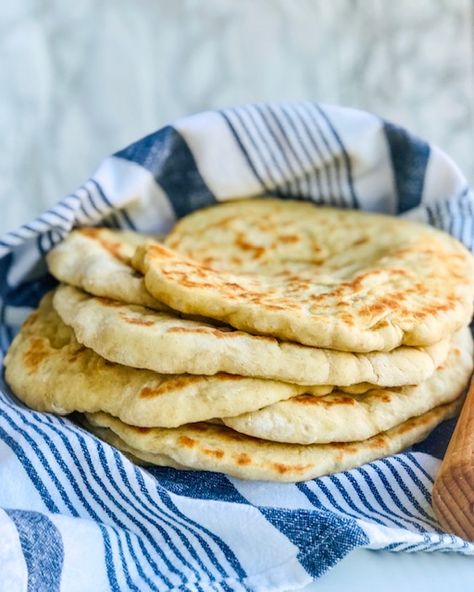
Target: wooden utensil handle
[453,491]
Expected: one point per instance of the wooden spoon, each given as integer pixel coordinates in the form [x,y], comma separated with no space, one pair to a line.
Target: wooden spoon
[453,491]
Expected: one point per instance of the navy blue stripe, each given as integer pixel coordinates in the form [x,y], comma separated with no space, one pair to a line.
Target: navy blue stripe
[53,212]
[42,460]
[396,498]
[274,148]
[322,537]
[101,193]
[271,184]
[100,450]
[163,516]
[171,518]
[242,149]
[362,498]
[414,478]
[29,468]
[257,144]
[345,156]
[224,548]
[314,171]
[62,464]
[64,204]
[283,145]
[99,210]
[304,112]
[374,491]
[42,548]
[319,483]
[341,200]
[167,156]
[50,421]
[44,492]
[411,456]
[109,560]
[410,157]
[121,211]
[294,143]
[387,519]
[110,513]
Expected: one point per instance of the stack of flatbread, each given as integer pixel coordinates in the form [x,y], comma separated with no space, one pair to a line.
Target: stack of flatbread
[266,339]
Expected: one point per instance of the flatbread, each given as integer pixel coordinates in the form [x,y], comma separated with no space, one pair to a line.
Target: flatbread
[343,418]
[142,338]
[324,277]
[50,371]
[136,456]
[98,261]
[210,447]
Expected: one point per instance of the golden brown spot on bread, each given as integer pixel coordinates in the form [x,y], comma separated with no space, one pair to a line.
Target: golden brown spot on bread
[143,430]
[114,248]
[108,302]
[323,401]
[31,320]
[187,442]
[212,452]
[136,320]
[360,241]
[289,238]
[246,246]
[169,386]
[282,468]
[243,459]
[156,250]
[37,352]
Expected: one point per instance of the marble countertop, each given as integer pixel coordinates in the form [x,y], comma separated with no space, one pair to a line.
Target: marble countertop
[81,80]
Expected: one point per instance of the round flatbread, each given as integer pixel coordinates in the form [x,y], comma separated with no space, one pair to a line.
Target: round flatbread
[324,277]
[211,447]
[98,261]
[142,338]
[340,417]
[50,371]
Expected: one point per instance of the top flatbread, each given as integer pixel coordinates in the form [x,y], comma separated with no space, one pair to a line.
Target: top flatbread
[324,277]
[98,261]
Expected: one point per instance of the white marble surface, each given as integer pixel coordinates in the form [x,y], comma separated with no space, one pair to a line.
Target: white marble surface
[82,79]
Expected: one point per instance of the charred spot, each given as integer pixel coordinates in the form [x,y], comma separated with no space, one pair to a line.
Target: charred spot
[289,239]
[108,302]
[282,468]
[37,352]
[360,241]
[136,321]
[215,453]
[187,442]
[243,459]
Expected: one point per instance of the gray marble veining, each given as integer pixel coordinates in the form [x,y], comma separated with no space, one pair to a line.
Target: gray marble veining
[82,79]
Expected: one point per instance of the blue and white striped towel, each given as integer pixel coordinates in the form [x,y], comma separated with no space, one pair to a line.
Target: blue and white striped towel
[77,515]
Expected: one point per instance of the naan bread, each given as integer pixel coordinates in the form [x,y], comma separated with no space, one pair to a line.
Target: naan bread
[339,417]
[50,371]
[324,277]
[211,447]
[98,261]
[136,456]
[142,338]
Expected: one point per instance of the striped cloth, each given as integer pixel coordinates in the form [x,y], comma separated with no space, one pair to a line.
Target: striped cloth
[77,515]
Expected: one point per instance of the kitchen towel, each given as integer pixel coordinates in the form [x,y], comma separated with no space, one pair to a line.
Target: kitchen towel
[76,514]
